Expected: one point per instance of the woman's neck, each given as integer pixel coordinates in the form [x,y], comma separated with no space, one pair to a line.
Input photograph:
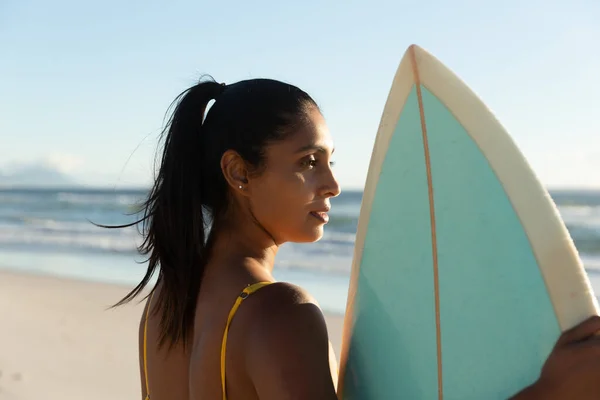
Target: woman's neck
[246,245]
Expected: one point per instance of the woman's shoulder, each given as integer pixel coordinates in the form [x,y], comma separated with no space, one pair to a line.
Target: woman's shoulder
[278,312]
[280,301]
[286,332]
[288,293]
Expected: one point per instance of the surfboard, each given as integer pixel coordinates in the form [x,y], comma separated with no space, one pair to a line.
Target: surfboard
[464,274]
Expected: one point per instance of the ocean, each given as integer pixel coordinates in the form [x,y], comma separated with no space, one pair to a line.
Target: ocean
[47,231]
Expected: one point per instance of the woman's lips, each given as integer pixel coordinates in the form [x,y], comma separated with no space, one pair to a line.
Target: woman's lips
[321,216]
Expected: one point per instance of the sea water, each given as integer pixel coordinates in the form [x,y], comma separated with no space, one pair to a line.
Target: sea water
[48,231]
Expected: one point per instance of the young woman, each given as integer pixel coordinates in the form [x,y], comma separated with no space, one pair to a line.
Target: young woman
[233,185]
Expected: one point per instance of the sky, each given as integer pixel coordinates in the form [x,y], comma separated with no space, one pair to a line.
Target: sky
[84,86]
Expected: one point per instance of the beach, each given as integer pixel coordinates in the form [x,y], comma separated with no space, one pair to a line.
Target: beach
[59,340]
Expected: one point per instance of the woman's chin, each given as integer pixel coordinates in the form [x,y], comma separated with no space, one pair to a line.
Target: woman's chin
[317,235]
[311,236]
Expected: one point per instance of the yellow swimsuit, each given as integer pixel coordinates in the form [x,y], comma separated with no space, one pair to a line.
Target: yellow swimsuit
[145,351]
[245,293]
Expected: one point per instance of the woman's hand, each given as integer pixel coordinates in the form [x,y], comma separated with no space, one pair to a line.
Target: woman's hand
[572,371]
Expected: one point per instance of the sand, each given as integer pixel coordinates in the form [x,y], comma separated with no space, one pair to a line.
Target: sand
[59,341]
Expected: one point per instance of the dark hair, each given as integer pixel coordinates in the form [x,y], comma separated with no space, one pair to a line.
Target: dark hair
[190,193]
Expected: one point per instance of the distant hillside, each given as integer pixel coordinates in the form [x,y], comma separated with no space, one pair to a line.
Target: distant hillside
[35,176]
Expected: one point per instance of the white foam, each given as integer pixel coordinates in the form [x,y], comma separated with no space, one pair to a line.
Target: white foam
[117,240]
[95,199]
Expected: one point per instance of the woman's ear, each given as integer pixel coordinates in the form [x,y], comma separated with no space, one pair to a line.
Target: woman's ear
[235,171]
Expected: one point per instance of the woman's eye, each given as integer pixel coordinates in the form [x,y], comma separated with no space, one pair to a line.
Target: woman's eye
[309,163]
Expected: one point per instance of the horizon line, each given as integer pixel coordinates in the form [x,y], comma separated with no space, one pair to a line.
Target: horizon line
[99,187]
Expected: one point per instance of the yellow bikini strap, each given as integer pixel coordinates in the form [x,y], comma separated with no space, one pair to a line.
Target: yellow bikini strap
[145,346]
[245,293]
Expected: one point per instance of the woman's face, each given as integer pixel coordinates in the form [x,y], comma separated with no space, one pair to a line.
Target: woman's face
[290,197]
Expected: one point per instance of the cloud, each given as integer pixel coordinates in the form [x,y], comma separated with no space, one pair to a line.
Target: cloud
[61,162]
[64,163]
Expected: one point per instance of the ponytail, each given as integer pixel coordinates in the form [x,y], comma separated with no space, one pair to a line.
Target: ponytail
[174,227]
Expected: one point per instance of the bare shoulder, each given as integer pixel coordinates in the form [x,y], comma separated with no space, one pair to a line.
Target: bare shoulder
[283,294]
[279,310]
[282,305]
[287,345]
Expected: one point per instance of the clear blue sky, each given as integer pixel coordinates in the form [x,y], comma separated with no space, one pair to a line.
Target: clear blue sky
[82,84]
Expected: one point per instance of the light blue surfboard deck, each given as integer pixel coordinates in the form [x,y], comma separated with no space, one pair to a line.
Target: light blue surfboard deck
[464,274]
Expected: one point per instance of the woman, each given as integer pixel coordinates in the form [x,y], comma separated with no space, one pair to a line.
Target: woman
[232,187]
